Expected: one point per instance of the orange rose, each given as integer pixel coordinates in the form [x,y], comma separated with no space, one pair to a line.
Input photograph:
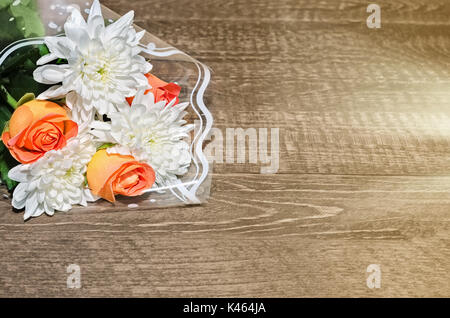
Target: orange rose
[37,127]
[161,90]
[110,174]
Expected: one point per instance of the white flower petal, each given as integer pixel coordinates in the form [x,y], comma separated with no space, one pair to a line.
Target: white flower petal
[152,133]
[96,26]
[31,206]
[19,173]
[95,22]
[116,28]
[99,125]
[95,10]
[19,196]
[58,46]
[50,74]
[77,35]
[79,114]
[121,150]
[139,35]
[76,17]
[46,59]
[56,91]
[104,66]
[39,211]
[55,181]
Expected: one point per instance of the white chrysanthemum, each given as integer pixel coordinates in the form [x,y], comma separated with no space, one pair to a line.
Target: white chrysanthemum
[152,133]
[104,66]
[56,181]
[77,112]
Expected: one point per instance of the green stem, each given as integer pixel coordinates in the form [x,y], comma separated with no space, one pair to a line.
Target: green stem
[43,50]
[12,63]
[8,98]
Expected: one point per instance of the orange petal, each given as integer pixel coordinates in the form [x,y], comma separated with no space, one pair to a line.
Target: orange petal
[32,111]
[20,119]
[144,173]
[70,129]
[41,108]
[6,136]
[25,156]
[107,193]
[173,88]
[100,169]
[105,171]
[154,81]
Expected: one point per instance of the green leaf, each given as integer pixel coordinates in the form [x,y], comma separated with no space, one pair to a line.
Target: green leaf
[29,65]
[22,83]
[7,97]
[16,75]
[105,146]
[8,29]
[5,3]
[7,162]
[18,20]
[18,59]
[27,19]
[2,147]
[28,97]
[5,116]
[61,61]
[43,50]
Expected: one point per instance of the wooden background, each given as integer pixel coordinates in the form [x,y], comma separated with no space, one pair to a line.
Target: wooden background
[364,177]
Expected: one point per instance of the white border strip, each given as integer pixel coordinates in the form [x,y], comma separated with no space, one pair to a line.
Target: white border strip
[17,45]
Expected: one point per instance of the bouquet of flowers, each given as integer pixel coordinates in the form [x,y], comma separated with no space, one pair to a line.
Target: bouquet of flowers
[85,117]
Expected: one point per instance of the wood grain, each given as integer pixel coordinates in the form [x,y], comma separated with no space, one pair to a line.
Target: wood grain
[364,164]
[290,235]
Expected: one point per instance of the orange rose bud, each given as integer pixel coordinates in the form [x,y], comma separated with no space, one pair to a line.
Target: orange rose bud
[37,127]
[111,174]
[161,90]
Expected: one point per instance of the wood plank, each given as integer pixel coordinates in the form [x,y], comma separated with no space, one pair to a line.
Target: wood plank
[325,11]
[377,103]
[287,235]
[382,143]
